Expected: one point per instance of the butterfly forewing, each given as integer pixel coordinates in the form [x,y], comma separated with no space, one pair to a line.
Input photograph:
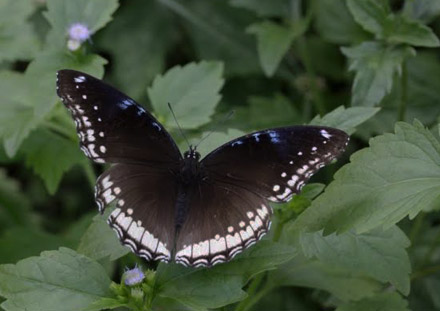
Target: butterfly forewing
[111,126]
[275,163]
[144,215]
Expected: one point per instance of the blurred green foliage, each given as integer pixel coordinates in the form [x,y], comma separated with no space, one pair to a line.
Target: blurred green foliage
[370,240]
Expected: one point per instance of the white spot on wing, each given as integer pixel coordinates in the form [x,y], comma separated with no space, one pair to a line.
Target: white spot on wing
[80,79]
[325,134]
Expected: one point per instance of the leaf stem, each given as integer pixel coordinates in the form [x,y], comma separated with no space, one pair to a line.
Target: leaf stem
[404,93]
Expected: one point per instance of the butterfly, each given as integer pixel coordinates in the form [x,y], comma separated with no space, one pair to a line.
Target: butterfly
[177,207]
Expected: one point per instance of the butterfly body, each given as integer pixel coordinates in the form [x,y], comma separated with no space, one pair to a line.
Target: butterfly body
[189,177]
[169,206]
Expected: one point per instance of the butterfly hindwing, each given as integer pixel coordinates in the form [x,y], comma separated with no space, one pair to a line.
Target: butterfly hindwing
[222,221]
[111,126]
[275,163]
[144,214]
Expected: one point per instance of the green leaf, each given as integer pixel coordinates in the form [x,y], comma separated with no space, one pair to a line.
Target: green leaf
[398,175]
[41,76]
[380,302]
[192,91]
[172,305]
[401,29]
[99,241]
[374,16]
[14,12]
[61,14]
[17,38]
[215,30]
[56,280]
[50,156]
[277,111]
[22,242]
[273,42]
[375,65]
[356,252]
[425,11]
[423,87]
[17,117]
[342,283]
[311,191]
[335,24]
[422,90]
[370,14]
[264,8]
[425,254]
[222,284]
[24,111]
[105,303]
[152,28]
[346,119]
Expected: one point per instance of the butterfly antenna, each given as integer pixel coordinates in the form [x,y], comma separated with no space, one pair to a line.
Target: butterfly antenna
[228,116]
[178,125]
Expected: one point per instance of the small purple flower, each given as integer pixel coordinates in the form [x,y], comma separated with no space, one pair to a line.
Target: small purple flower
[79,32]
[133,277]
[73,45]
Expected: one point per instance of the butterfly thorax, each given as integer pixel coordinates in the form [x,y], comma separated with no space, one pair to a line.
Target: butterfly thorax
[190,168]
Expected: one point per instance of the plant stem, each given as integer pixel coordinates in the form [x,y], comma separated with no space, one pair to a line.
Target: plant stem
[182,11]
[253,286]
[253,295]
[57,129]
[278,231]
[415,228]
[404,93]
[317,99]
[90,173]
[433,246]
[424,272]
[255,298]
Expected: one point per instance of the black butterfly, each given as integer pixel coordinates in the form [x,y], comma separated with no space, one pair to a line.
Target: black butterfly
[198,213]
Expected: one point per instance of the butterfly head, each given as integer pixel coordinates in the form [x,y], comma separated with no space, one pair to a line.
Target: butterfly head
[192,153]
